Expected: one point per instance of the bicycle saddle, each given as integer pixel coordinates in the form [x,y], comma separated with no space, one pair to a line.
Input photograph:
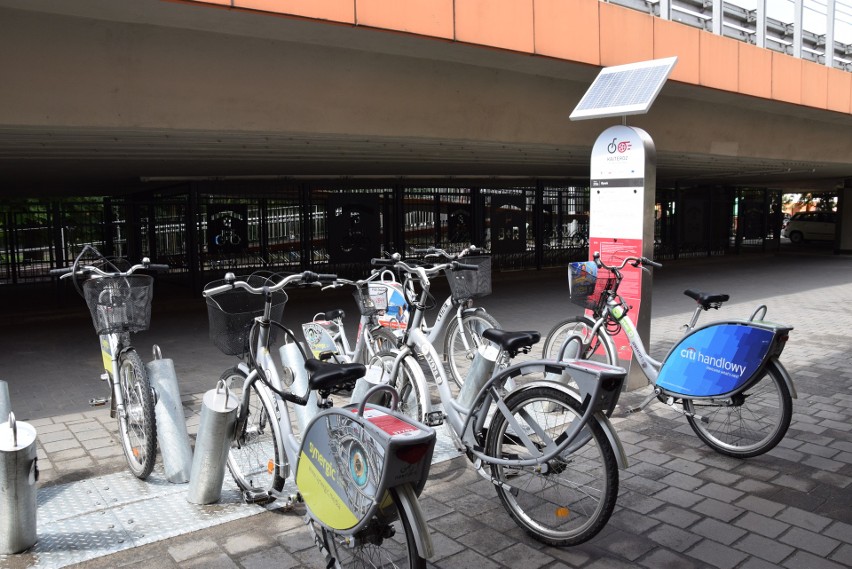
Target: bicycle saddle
[512,342]
[335,314]
[706,300]
[325,375]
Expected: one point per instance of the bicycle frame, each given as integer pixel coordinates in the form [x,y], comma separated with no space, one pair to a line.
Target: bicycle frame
[465,422]
[111,347]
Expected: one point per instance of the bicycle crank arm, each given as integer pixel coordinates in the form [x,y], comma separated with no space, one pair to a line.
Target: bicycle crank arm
[98,401]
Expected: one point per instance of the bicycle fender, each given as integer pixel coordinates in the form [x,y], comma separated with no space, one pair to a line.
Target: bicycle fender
[606,426]
[422,537]
[782,371]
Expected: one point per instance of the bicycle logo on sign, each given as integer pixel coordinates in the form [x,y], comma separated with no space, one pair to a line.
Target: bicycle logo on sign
[621,147]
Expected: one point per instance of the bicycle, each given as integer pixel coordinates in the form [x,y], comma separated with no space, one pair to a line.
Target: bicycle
[326,336]
[552,455]
[358,469]
[733,390]
[120,303]
[462,322]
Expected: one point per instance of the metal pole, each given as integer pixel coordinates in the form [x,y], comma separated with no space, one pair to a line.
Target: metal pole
[798,17]
[829,33]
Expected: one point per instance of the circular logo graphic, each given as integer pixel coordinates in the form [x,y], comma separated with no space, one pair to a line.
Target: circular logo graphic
[358,465]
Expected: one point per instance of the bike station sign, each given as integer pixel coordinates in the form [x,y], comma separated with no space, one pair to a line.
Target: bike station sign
[621,222]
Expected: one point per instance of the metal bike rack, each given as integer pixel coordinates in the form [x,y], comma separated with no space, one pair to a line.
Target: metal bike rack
[218,417]
[5,402]
[18,476]
[171,422]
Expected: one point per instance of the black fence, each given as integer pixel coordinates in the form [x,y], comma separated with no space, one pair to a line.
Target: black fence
[204,229]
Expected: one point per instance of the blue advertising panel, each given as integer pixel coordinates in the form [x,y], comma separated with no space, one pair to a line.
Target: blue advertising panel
[715,360]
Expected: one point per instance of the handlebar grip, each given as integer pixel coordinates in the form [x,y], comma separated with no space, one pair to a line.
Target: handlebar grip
[62,271]
[158,267]
[646,261]
[326,277]
[419,251]
[456,266]
[383,262]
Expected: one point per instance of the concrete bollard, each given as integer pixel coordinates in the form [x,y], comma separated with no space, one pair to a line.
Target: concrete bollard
[218,417]
[171,422]
[18,477]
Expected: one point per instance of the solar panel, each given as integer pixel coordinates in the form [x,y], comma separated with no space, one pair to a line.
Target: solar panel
[624,89]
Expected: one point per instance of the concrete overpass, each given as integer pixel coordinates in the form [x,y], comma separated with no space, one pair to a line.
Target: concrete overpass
[106,95]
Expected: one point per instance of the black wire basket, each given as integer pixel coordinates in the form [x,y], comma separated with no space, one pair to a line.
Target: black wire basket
[119,304]
[467,284]
[231,314]
[586,289]
[371,300]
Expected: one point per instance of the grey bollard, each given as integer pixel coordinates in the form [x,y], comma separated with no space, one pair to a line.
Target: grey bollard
[5,402]
[218,417]
[18,476]
[171,422]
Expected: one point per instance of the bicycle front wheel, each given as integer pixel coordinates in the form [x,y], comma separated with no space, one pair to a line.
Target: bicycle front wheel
[253,458]
[598,349]
[410,382]
[382,340]
[568,499]
[383,543]
[462,342]
[137,425]
[749,423]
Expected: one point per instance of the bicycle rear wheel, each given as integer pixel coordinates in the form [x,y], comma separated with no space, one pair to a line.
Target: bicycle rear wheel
[387,542]
[253,459]
[568,499]
[458,357]
[748,424]
[137,425]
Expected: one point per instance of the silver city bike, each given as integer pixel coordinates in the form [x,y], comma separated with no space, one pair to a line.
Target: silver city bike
[358,469]
[552,456]
[461,323]
[120,303]
[724,377]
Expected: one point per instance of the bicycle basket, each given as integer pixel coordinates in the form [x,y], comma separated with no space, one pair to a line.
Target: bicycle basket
[371,299]
[231,314]
[586,289]
[119,304]
[465,285]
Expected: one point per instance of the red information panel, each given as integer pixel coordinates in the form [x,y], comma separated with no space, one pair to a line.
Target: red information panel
[613,252]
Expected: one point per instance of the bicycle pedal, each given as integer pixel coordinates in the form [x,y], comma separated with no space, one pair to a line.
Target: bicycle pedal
[104,377]
[258,497]
[98,401]
[434,419]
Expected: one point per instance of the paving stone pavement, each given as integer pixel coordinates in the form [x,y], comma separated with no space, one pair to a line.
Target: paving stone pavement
[680,505]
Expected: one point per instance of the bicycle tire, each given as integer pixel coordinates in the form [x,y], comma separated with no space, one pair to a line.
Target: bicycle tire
[137,425]
[572,499]
[750,423]
[598,350]
[371,549]
[458,359]
[410,383]
[383,340]
[255,448]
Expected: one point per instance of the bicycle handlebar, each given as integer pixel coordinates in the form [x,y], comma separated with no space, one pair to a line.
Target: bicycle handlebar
[306,277]
[86,270]
[634,261]
[436,252]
